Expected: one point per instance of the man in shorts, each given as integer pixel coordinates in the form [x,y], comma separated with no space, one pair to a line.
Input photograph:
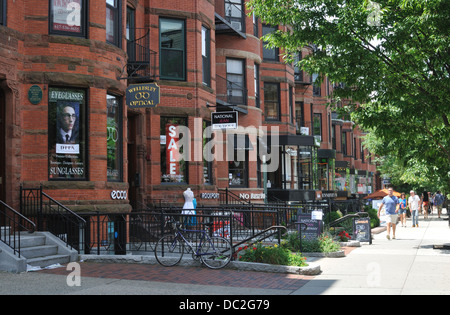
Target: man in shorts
[438,202]
[392,205]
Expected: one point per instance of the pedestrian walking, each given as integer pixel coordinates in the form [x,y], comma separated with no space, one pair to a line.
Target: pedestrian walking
[402,209]
[413,204]
[392,205]
[438,202]
[425,203]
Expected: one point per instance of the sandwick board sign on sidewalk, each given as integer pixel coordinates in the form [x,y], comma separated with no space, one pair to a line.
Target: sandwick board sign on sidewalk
[313,227]
[361,229]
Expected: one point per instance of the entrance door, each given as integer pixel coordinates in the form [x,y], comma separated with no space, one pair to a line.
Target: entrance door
[133,176]
[2,146]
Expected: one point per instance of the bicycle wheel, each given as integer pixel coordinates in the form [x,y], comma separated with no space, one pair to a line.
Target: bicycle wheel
[169,250]
[216,252]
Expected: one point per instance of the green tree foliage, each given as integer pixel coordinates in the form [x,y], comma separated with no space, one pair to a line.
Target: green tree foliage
[393,58]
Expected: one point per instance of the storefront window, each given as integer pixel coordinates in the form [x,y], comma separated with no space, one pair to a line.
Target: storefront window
[237,171]
[67,134]
[307,159]
[114,138]
[238,147]
[291,167]
[174,169]
[325,171]
[296,168]
[207,162]
[67,17]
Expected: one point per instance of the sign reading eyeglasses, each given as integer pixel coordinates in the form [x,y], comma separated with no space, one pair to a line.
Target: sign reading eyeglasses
[143,95]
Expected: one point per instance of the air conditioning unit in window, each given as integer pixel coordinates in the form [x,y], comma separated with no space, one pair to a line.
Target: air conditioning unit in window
[236,25]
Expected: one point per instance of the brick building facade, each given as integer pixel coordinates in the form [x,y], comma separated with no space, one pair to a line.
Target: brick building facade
[67,65]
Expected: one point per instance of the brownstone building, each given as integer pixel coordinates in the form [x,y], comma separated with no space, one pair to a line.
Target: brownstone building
[65,66]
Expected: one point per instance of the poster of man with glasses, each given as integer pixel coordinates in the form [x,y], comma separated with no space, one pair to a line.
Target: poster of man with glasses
[67,128]
[67,134]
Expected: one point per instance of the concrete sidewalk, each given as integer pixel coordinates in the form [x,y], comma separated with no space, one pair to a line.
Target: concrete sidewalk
[407,265]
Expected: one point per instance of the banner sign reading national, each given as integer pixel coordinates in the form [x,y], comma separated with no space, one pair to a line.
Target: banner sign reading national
[224,120]
[143,95]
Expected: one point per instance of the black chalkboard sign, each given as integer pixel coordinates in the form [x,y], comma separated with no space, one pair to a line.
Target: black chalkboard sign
[362,230]
[313,227]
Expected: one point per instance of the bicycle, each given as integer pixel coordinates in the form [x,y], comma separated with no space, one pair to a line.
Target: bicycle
[215,252]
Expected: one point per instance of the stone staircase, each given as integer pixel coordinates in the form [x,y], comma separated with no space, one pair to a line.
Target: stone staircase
[39,249]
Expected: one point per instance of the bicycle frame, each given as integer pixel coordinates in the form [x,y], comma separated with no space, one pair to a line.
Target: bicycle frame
[187,242]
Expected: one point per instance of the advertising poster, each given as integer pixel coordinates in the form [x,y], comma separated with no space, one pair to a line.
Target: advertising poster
[172,150]
[66,134]
[66,15]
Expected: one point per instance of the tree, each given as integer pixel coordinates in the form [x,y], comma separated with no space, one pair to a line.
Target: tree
[393,60]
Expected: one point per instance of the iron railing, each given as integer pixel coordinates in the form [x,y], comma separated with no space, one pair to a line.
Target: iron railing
[50,215]
[227,197]
[230,93]
[141,64]
[138,232]
[11,224]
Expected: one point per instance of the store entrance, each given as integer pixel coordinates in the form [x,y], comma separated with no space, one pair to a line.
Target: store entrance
[2,150]
[133,176]
[2,146]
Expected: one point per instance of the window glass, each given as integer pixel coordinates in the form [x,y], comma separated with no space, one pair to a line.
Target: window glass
[67,134]
[236,81]
[317,127]
[2,12]
[114,138]
[269,53]
[237,170]
[113,22]
[206,56]
[271,101]
[172,49]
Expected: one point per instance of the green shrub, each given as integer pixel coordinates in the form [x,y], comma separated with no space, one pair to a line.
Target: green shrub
[275,255]
[322,244]
[373,215]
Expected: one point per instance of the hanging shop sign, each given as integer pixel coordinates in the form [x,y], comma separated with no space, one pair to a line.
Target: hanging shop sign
[143,95]
[224,120]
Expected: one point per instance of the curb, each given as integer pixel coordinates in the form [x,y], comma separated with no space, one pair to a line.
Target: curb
[312,269]
[337,254]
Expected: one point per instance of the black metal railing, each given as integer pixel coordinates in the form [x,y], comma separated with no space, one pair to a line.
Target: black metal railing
[302,77]
[138,232]
[12,223]
[141,64]
[227,197]
[52,216]
[230,93]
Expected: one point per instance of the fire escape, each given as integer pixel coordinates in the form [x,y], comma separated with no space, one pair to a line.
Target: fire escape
[141,64]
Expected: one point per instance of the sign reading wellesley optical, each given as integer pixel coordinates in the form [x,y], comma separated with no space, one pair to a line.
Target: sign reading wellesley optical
[143,95]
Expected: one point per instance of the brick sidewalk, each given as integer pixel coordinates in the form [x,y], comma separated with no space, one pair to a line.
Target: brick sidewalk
[189,275]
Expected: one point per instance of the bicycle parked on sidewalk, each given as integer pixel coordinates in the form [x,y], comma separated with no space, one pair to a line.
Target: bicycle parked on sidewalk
[213,251]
